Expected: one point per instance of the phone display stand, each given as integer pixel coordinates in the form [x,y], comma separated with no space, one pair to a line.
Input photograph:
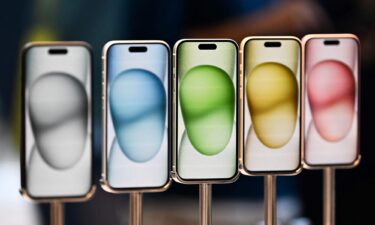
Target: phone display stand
[328,196]
[205,204]
[135,208]
[57,213]
[270,214]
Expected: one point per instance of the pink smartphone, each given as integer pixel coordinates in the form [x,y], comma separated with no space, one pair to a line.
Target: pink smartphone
[331,100]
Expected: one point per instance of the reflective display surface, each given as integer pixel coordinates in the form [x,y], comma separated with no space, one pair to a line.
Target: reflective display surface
[272,76]
[206,110]
[57,121]
[137,115]
[331,110]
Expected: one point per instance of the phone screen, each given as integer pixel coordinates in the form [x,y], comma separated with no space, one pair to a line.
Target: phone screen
[137,112]
[271,93]
[331,109]
[56,121]
[206,110]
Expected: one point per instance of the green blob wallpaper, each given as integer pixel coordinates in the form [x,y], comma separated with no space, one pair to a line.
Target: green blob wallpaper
[207,98]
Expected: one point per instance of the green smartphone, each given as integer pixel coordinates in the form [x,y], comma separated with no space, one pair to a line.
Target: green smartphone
[205,111]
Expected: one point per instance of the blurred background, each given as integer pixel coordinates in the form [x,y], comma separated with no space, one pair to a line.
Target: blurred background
[96,22]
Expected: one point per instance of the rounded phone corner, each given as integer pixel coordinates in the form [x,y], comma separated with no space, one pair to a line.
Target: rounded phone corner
[104,184]
[29,197]
[177,178]
[25,194]
[166,186]
[243,170]
[235,177]
[89,195]
[352,165]
[357,161]
[298,170]
[307,165]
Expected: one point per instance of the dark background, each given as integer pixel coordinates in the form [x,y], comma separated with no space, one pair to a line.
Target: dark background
[95,21]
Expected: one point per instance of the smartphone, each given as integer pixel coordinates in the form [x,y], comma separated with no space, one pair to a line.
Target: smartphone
[331,100]
[271,107]
[206,99]
[56,134]
[136,116]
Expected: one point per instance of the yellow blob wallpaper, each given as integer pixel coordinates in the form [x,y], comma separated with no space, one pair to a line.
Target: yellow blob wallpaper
[272,95]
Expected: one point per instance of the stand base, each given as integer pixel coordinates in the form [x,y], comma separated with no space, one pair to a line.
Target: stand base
[270,215]
[329,196]
[205,198]
[135,206]
[57,213]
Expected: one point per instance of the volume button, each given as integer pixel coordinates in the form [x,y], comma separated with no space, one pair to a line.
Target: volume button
[174,65]
[103,61]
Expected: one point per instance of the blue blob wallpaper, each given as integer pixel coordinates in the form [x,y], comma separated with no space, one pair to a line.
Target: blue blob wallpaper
[138,104]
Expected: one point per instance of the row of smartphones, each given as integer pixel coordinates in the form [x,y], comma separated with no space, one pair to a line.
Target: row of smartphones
[268,108]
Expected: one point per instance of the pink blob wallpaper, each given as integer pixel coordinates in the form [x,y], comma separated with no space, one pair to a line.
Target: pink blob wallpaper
[331,93]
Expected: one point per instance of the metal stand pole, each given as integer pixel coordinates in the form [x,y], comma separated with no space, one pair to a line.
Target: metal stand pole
[135,217]
[329,196]
[57,213]
[205,210]
[270,215]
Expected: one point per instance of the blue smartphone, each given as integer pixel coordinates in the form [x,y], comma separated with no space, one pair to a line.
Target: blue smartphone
[136,116]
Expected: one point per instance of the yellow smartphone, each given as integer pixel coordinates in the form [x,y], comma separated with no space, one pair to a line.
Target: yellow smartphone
[271,118]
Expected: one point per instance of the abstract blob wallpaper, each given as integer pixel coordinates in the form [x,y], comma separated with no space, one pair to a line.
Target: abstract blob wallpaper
[206,123]
[57,109]
[271,105]
[137,116]
[331,102]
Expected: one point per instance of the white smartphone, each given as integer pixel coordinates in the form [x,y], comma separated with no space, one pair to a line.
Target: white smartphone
[56,148]
[136,116]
